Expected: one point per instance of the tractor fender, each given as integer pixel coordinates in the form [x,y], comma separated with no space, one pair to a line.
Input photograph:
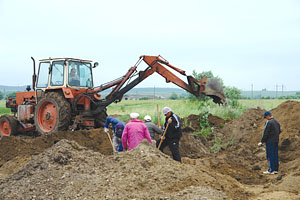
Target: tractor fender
[68,93]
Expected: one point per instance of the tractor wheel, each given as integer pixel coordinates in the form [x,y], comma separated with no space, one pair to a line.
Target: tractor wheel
[52,113]
[8,125]
[100,119]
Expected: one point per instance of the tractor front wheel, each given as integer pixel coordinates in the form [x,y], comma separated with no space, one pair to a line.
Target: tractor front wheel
[8,125]
[52,113]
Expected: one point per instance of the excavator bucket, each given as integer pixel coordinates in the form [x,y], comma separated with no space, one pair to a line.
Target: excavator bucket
[208,87]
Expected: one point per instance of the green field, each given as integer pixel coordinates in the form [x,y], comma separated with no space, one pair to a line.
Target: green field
[183,108]
[3,109]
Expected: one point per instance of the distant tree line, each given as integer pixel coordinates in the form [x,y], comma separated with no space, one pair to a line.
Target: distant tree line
[293,96]
[2,96]
[296,96]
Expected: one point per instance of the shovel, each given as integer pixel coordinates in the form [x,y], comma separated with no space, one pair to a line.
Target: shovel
[163,135]
[111,142]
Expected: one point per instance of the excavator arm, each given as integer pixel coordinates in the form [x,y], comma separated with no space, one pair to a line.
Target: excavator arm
[206,86]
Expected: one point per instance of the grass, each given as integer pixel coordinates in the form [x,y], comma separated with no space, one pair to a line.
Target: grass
[185,108]
[3,109]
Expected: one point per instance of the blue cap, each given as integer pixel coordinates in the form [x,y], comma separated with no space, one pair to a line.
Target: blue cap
[119,129]
[267,113]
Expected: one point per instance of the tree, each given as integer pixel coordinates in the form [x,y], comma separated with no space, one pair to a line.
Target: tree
[207,74]
[173,96]
[11,95]
[198,76]
[144,98]
[232,94]
[1,95]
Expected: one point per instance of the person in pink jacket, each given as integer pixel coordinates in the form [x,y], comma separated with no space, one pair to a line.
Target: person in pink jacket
[134,132]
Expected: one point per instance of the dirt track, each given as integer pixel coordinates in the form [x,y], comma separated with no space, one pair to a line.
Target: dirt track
[80,165]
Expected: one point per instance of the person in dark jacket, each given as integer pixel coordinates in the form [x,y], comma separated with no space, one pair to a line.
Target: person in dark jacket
[173,134]
[118,128]
[271,138]
[152,127]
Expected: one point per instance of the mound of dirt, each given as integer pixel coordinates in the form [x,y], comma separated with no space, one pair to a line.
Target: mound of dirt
[245,161]
[193,122]
[70,171]
[15,151]
[288,115]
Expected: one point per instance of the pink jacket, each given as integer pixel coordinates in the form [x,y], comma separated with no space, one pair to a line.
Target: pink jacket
[134,132]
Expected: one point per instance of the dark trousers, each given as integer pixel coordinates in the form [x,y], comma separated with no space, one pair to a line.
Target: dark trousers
[173,145]
[272,156]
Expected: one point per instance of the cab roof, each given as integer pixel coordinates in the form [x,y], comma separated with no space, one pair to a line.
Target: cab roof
[76,59]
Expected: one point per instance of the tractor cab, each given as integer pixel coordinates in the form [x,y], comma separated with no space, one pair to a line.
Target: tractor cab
[65,72]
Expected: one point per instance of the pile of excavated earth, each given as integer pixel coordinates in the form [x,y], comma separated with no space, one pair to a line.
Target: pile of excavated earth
[81,165]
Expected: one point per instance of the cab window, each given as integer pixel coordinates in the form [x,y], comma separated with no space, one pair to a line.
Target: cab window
[43,74]
[80,74]
[57,74]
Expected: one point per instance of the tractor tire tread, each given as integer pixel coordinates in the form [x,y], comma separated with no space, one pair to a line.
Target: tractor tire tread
[64,111]
[12,122]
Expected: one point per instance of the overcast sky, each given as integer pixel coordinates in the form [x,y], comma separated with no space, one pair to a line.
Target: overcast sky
[243,42]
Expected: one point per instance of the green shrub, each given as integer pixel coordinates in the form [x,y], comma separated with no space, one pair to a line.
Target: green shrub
[216,147]
[205,132]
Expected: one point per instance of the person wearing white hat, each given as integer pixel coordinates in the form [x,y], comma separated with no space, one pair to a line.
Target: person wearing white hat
[152,127]
[172,135]
[134,115]
[134,132]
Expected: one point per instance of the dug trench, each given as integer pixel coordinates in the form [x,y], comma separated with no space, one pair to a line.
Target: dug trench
[81,165]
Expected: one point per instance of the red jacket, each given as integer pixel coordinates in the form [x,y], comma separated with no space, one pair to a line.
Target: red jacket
[134,132]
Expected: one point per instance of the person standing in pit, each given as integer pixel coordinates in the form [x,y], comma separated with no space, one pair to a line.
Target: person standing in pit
[118,127]
[172,135]
[271,138]
[152,128]
[134,132]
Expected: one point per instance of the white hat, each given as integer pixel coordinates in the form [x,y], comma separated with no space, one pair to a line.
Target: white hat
[134,115]
[166,110]
[147,118]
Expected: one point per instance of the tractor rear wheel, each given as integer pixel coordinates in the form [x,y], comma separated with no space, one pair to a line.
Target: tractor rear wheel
[8,125]
[52,113]
[100,119]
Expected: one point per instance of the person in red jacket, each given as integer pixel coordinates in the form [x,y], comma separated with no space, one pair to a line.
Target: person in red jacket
[134,132]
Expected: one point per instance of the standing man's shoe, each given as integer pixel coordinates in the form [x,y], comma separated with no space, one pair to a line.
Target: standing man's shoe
[268,172]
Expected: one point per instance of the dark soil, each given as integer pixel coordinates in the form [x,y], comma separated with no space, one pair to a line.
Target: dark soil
[80,164]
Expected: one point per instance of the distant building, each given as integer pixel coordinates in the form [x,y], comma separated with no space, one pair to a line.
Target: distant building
[140,97]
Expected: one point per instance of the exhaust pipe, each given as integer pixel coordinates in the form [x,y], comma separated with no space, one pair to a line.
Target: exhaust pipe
[34,74]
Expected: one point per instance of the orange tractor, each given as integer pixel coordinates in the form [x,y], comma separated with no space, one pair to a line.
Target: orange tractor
[64,96]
